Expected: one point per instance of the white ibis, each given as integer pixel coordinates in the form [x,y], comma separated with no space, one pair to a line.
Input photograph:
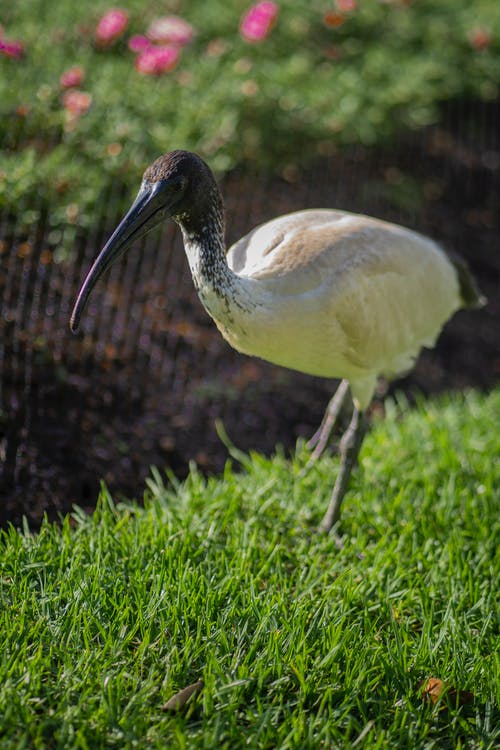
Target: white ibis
[324,292]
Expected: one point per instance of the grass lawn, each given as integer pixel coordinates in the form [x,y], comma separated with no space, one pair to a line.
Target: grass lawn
[299,645]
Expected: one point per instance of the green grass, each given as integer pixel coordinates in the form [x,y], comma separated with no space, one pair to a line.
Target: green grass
[300,645]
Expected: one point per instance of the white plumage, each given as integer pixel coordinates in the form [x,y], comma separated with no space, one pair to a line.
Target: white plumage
[338,295]
[325,292]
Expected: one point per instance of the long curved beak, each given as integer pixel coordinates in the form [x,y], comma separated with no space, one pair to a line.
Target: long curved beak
[146,212]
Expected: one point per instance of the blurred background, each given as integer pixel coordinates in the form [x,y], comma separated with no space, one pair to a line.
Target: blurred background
[385,107]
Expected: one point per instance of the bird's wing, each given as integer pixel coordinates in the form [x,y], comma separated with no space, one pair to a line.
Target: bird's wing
[305,249]
[371,291]
[282,245]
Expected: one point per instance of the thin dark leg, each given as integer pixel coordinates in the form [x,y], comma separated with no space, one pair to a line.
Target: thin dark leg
[321,437]
[350,446]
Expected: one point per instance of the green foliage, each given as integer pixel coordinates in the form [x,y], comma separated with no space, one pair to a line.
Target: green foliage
[299,644]
[305,89]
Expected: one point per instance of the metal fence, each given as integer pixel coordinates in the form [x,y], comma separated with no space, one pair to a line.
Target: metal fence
[148,376]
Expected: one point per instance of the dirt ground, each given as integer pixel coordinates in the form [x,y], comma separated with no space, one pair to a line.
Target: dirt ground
[149,376]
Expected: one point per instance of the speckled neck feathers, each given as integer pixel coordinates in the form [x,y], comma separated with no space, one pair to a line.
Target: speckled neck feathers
[199,213]
[203,236]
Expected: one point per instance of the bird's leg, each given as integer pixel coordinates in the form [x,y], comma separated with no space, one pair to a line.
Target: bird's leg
[349,450]
[320,439]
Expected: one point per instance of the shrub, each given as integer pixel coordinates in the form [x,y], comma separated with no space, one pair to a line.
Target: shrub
[308,81]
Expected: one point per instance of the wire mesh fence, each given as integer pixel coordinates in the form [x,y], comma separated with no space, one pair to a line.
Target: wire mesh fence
[148,376]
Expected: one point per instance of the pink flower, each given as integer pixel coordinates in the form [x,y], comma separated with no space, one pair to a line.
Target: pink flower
[138,43]
[22,110]
[72,77]
[170,29]
[480,38]
[333,19]
[111,25]
[11,48]
[258,21]
[76,102]
[346,6]
[157,60]
[333,52]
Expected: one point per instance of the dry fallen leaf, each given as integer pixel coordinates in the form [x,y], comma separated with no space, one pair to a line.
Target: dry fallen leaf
[433,689]
[180,699]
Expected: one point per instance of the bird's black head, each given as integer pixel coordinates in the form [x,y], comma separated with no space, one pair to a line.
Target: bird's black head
[183,182]
[179,186]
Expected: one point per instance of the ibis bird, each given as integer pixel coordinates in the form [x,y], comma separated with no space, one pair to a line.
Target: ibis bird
[324,292]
